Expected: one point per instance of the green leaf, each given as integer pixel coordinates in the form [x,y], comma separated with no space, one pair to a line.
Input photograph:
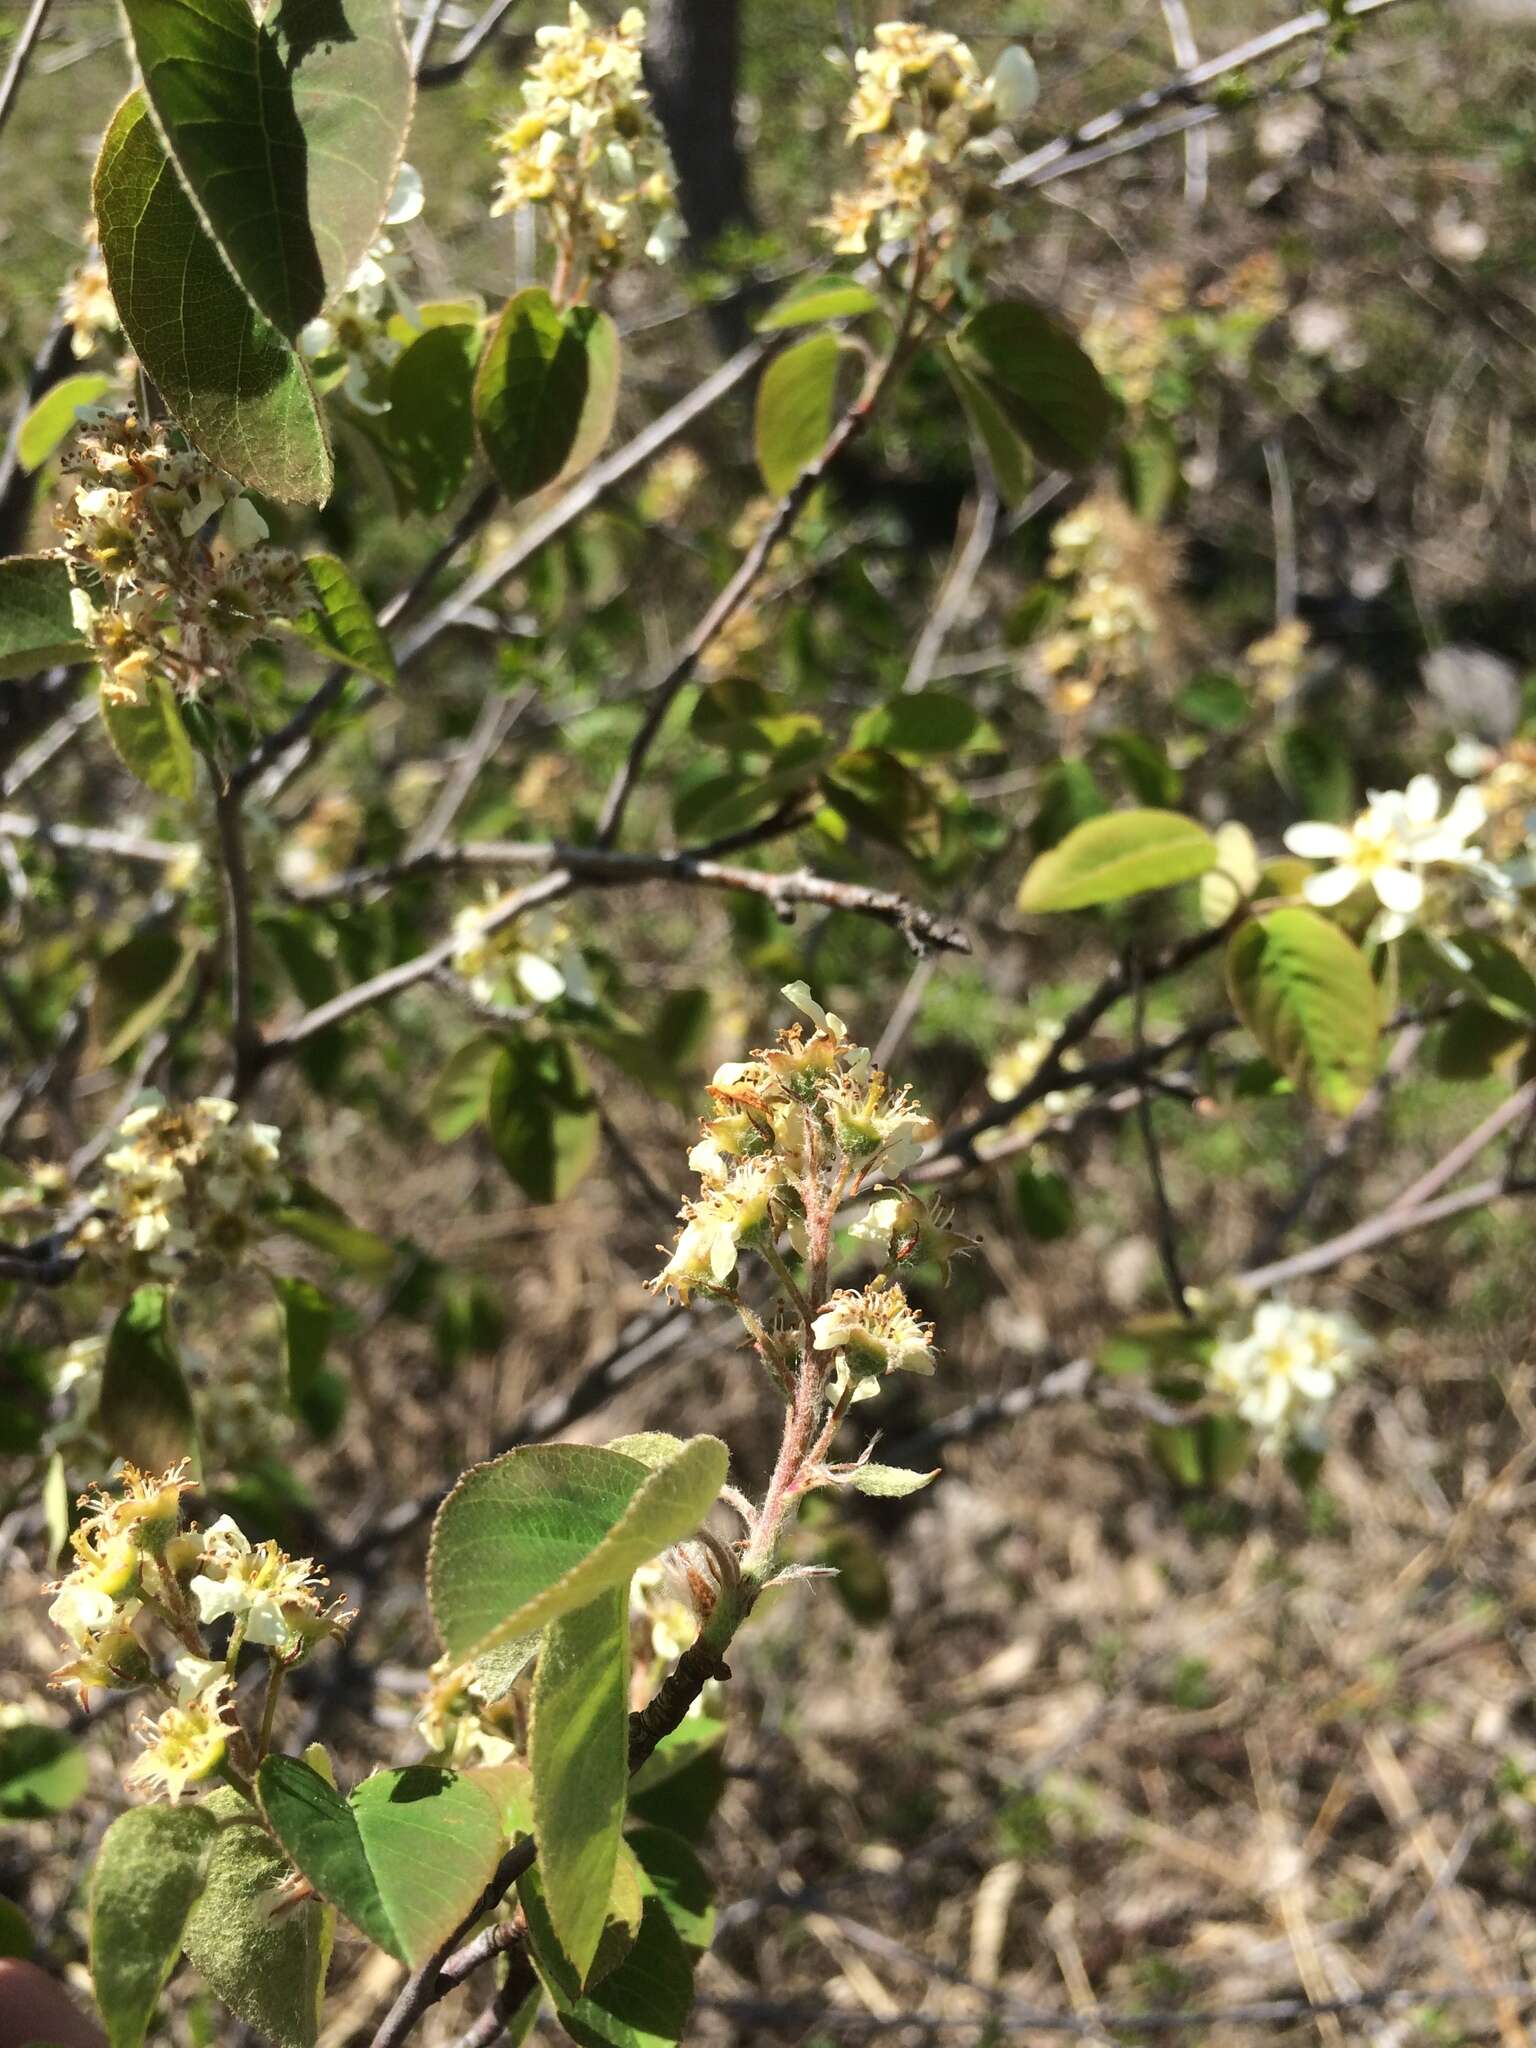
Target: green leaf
[461,1094]
[148,1875]
[1488,970]
[15,1934]
[1203,1456]
[1123,853]
[341,622]
[543,1117]
[1316,770]
[621,1923]
[698,1736]
[881,796]
[135,985]
[578,1750]
[42,1771]
[52,420]
[1305,992]
[404,1858]
[926,722]
[269,1968]
[1215,700]
[37,628]
[319,1221]
[1044,1203]
[645,2002]
[818,298]
[1475,1043]
[545,392]
[674,1874]
[287,133]
[1038,377]
[545,1529]
[229,378]
[793,418]
[316,1395]
[431,422]
[151,740]
[146,1409]
[1012,467]
[1153,473]
[889,1482]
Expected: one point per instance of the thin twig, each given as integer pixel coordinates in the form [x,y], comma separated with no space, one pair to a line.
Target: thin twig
[467,48]
[958,585]
[422,34]
[1167,1223]
[1460,1155]
[1197,144]
[21,52]
[94,839]
[1375,1230]
[248,1049]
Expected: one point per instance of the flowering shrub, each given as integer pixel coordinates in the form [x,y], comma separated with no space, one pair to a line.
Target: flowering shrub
[663,693]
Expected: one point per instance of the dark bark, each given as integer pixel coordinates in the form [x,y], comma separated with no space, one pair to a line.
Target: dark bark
[692,66]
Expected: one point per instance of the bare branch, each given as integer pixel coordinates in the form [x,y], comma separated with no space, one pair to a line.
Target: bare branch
[21,53]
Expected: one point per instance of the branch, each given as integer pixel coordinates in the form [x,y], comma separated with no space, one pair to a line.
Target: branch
[1395,1222]
[1067,152]
[248,1048]
[21,55]
[94,839]
[600,867]
[467,48]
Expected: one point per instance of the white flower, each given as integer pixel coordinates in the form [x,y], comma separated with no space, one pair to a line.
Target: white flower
[1397,835]
[275,1597]
[1280,1377]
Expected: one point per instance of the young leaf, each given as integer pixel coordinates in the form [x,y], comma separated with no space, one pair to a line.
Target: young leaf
[673,1873]
[341,623]
[431,420]
[645,2002]
[42,1771]
[286,130]
[1039,378]
[542,1531]
[227,375]
[889,1482]
[461,1094]
[146,1410]
[135,985]
[794,409]
[269,1968]
[316,1395]
[543,1117]
[52,419]
[147,1878]
[1123,853]
[1305,992]
[151,740]
[578,1751]
[545,391]
[816,299]
[404,1858]
[37,628]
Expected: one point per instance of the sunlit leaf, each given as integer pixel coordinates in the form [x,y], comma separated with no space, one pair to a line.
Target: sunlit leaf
[795,398]
[146,1879]
[1123,853]
[37,628]
[1305,991]
[545,392]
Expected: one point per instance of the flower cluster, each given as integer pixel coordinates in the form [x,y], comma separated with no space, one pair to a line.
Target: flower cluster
[183,1189]
[588,149]
[800,1125]
[1012,1071]
[171,572]
[1504,781]
[1281,1375]
[356,342]
[134,1564]
[526,959]
[1389,850]
[925,114]
[1117,571]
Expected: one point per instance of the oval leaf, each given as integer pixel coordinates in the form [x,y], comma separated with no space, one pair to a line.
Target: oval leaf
[1040,379]
[1306,993]
[286,132]
[543,1117]
[42,1771]
[578,1750]
[269,1968]
[228,376]
[37,627]
[52,419]
[546,1529]
[405,1858]
[146,1410]
[1123,853]
[341,623]
[135,985]
[816,299]
[545,391]
[151,740]
[431,413]
[645,2002]
[794,409]
[148,1875]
